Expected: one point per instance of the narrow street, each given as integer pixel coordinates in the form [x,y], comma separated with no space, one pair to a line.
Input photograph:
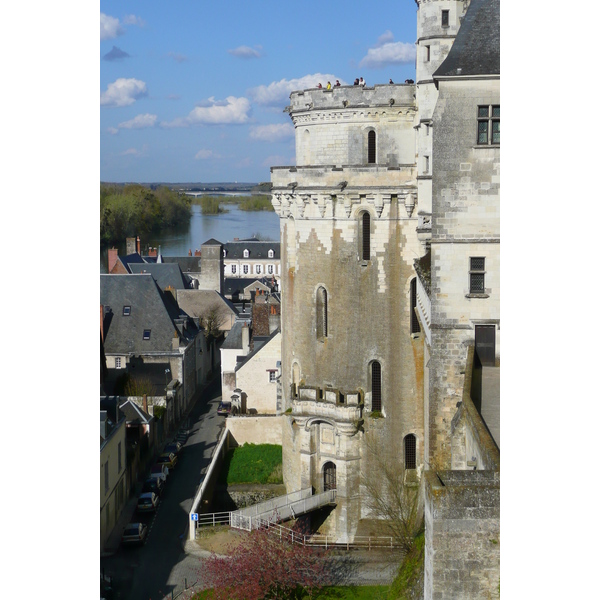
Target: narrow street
[153,571]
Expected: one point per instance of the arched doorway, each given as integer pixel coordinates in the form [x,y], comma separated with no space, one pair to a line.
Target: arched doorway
[329,481]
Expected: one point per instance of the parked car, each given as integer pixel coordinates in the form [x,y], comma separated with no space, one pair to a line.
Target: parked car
[153,484]
[167,458]
[147,502]
[160,469]
[174,447]
[225,409]
[161,476]
[135,533]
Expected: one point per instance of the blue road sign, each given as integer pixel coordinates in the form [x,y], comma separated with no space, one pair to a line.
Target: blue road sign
[194,516]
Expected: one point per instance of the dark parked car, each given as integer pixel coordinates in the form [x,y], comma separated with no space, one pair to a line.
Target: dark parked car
[153,485]
[225,409]
[174,447]
[167,458]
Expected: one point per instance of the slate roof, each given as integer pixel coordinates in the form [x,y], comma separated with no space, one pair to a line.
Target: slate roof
[187,264]
[231,285]
[131,259]
[476,49]
[260,250]
[233,341]
[165,274]
[134,414]
[151,309]
[197,303]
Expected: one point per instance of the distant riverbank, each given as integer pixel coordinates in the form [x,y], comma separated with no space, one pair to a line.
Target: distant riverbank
[213,204]
[224,227]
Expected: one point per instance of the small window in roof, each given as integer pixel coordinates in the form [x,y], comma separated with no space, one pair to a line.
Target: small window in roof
[271,253]
[246,253]
[147,334]
[126,311]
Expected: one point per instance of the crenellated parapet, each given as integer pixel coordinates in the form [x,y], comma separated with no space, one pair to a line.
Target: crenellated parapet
[350,98]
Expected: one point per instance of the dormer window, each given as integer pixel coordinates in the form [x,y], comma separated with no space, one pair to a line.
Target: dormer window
[246,253]
[126,311]
[271,253]
[224,253]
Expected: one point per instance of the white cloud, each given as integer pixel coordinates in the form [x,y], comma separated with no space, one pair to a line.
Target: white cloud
[278,92]
[231,111]
[205,153]
[133,20]
[246,52]
[392,53]
[139,122]
[385,38]
[123,92]
[109,27]
[113,130]
[177,57]
[131,152]
[272,133]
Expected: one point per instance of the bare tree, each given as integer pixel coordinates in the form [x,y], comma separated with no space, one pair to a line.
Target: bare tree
[212,321]
[389,497]
[138,386]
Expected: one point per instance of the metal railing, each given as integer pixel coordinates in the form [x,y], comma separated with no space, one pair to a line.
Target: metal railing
[281,508]
[285,533]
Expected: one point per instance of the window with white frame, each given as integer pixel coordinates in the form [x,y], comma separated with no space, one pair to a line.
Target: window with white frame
[270,268]
[233,269]
[271,254]
[245,269]
[258,269]
[118,362]
[272,376]
[246,253]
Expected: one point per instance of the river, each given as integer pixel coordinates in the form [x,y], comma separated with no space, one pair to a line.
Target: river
[223,227]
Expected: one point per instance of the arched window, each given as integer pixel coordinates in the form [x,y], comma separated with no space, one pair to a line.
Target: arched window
[414,322]
[371,147]
[365,236]
[321,313]
[375,386]
[329,478]
[410,451]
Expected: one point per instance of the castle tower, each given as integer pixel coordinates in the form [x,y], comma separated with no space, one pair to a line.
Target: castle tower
[351,370]
[438,22]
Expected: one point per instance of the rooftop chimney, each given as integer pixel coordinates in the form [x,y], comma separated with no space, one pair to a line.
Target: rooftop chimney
[245,337]
[138,246]
[145,403]
[113,255]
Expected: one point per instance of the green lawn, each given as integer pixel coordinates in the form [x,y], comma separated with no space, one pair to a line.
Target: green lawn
[252,463]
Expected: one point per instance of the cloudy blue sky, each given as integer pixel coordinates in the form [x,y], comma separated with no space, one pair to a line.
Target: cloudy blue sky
[195,91]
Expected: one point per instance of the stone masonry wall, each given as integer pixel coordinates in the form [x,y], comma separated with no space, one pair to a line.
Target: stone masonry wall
[462,535]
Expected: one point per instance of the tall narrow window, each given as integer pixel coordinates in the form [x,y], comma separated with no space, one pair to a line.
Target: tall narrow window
[375,386]
[445,18]
[414,322]
[410,451]
[321,313]
[371,144]
[427,53]
[366,236]
[477,275]
[488,125]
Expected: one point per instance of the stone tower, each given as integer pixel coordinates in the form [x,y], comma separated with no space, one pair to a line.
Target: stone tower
[351,366]
[438,22]
[212,266]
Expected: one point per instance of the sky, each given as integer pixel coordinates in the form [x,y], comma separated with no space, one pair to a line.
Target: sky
[195,91]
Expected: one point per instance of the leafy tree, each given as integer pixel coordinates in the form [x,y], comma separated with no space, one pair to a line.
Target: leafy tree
[265,567]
